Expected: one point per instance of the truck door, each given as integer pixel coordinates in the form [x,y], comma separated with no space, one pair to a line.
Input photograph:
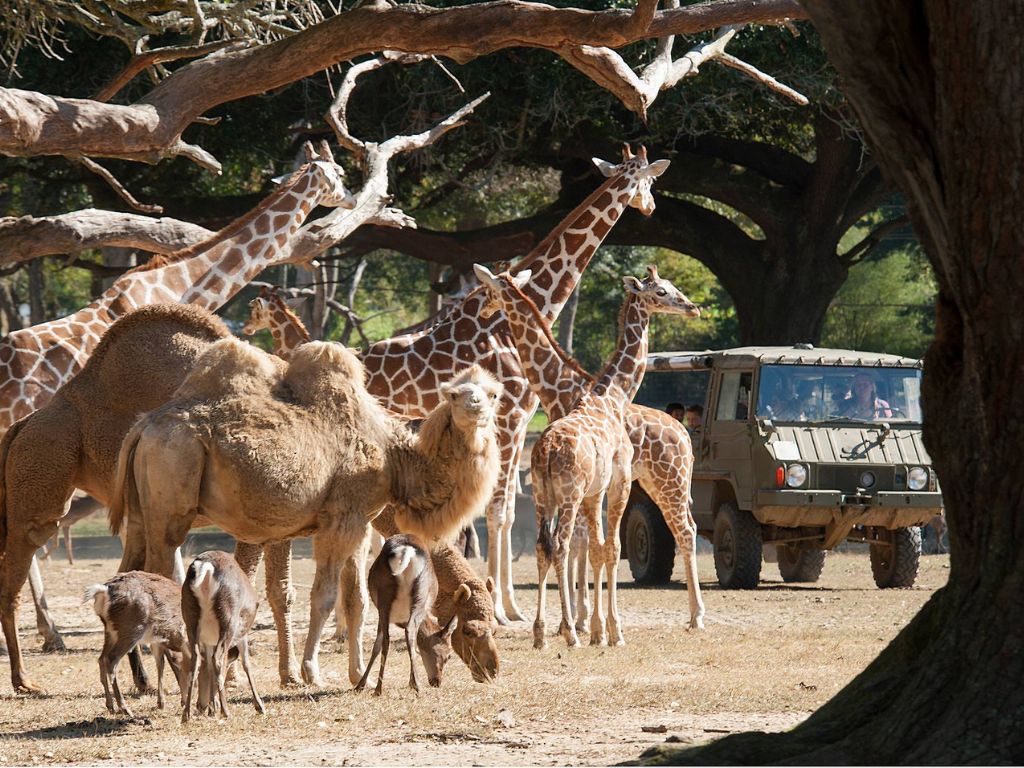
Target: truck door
[726,443]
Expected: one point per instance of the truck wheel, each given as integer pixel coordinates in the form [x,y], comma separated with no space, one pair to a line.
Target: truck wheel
[650,547]
[737,541]
[800,564]
[895,566]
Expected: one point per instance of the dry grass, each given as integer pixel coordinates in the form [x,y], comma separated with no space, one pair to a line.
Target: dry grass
[767,658]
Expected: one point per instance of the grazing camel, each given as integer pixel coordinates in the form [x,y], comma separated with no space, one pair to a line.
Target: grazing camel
[73,442]
[270,451]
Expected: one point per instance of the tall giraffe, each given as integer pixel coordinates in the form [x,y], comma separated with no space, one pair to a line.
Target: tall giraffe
[36,361]
[406,371]
[662,452]
[587,454]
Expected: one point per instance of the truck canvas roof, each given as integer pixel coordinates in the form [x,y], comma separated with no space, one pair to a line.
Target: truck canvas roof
[799,354]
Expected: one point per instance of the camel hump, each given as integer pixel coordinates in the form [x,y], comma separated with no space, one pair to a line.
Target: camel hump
[321,370]
[231,367]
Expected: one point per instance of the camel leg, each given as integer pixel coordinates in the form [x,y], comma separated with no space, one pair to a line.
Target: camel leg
[14,570]
[618,497]
[67,545]
[355,601]
[495,518]
[595,544]
[52,641]
[281,595]
[330,550]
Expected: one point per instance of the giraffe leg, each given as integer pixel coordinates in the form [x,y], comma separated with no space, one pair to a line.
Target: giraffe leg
[596,540]
[512,610]
[560,554]
[545,551]
[578,573]
[618,497]
[52,641]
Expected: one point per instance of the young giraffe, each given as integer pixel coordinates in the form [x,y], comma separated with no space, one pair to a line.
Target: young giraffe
[662,452]
[406,371]
[36,361]
[588,453]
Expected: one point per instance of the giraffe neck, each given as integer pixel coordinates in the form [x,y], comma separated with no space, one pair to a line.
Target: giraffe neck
[207,274]
[555,377]
[288,333]
[560,259]
[624,372]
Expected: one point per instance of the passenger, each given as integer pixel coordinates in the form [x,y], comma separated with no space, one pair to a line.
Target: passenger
[863,401]
[694,417]
[808,401]
[676,410]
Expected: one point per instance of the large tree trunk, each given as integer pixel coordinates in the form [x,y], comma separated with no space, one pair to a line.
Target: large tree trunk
[937,86]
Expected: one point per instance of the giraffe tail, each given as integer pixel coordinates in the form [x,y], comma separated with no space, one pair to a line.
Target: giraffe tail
[544,499]
[5,447]
[124,499]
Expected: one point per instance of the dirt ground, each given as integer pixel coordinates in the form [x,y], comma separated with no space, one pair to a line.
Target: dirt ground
[766,660]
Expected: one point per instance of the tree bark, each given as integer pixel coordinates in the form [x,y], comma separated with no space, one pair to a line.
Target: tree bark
[936,86]
[39,124]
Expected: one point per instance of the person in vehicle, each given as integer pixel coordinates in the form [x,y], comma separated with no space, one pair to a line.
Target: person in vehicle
[676,410]
[863,401]
[694,417]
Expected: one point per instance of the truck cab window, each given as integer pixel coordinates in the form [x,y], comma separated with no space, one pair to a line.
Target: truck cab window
[734,396]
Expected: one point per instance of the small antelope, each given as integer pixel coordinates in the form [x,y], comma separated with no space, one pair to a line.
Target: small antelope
[403,586]
[138,607]
[218,605]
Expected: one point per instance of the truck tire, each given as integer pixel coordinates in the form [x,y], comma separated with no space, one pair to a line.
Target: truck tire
[800,564]
[737,541]
[650,547]
[895,566]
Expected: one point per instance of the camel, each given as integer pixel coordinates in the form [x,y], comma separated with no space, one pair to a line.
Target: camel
[73,442]
[269,450]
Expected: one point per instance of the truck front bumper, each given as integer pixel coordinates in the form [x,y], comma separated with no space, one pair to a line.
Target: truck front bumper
[888,509]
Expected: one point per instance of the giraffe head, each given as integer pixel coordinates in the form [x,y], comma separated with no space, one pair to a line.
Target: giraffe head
[330,176]
[260,312]
[497,285]
[644,172]
[659,294]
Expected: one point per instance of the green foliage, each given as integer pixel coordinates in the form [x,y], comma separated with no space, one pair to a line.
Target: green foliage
[595,332]
[886,305]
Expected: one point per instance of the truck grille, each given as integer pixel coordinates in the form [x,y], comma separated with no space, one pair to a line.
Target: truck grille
[846,478]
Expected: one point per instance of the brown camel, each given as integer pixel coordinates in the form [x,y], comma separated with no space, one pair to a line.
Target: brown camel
[270,450]
[73,442]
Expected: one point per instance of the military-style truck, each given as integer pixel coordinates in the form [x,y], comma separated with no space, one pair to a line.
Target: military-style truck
[800,449]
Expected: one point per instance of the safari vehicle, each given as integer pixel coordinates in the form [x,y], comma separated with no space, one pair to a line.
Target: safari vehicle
[800,449]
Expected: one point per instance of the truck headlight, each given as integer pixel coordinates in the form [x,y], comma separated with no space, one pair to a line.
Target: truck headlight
[917,478]
[796,475]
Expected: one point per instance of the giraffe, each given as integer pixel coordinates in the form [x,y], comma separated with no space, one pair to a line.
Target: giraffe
[662,452]
[406,371]
[268,311]
[587,454]
[36,361]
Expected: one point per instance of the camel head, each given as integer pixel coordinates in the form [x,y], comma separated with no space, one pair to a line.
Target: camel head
[644,173]
[473,397]
[659,294]
[473,640]
[497,286]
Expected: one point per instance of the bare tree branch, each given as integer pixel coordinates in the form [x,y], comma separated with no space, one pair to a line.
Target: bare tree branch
[28,237]
[118,187]
[141,61]
[752,71]
[150,130]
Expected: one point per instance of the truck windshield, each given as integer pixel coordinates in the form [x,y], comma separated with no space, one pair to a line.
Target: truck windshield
[839,393]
